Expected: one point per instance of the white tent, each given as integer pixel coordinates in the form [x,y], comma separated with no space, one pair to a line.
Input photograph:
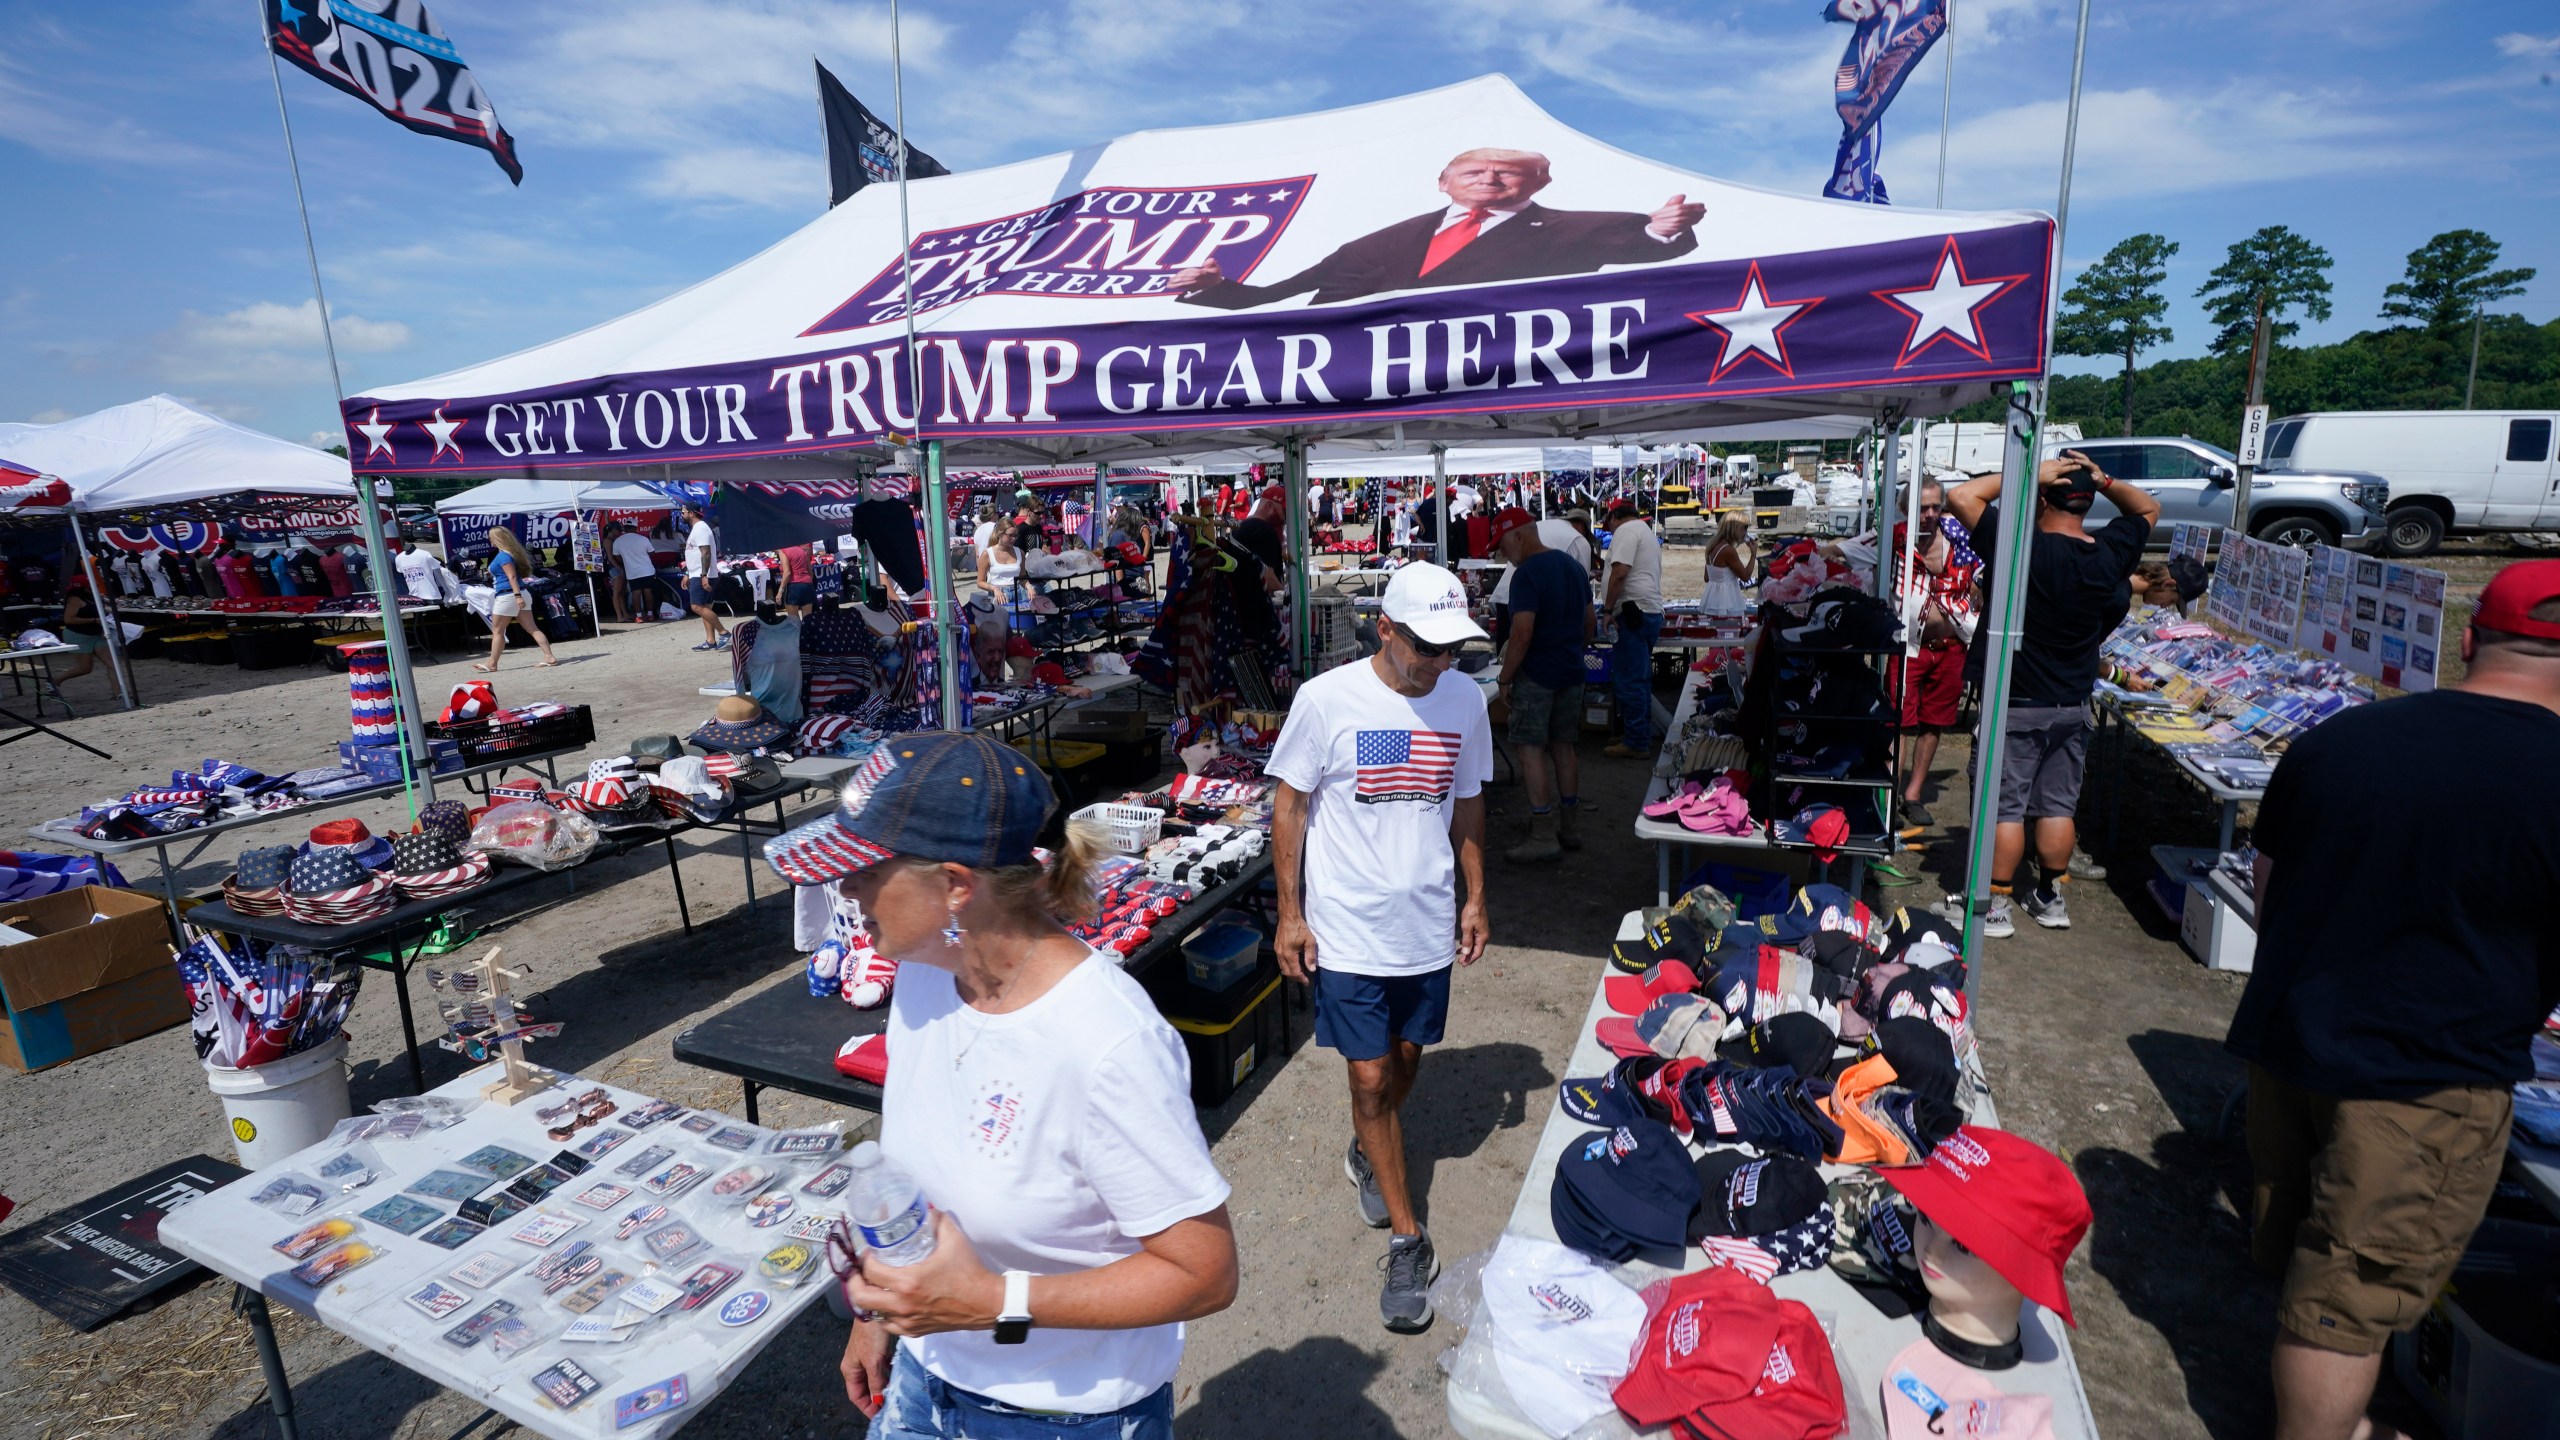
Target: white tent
[542,497]
[160,451]
[1213,289]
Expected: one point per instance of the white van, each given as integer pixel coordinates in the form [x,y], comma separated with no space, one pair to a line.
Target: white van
[2454,472]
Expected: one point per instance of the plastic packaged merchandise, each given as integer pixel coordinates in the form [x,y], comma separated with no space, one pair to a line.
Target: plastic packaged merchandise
[529,833]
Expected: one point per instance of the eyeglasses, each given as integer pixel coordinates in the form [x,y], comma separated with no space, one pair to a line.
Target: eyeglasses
[591,1108]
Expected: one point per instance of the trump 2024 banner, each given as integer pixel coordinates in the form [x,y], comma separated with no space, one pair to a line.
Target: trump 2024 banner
[393,55]
[1452,253]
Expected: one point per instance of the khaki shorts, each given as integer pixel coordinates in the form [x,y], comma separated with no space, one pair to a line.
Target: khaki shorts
[2364,1206]
[1540,716]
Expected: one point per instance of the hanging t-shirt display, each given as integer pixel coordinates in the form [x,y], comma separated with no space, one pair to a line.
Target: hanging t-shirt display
[1385,771]
[889,528]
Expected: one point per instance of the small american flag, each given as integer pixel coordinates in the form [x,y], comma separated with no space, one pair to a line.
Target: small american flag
[1403,765]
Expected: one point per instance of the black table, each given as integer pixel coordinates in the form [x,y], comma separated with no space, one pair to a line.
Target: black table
[784,1038]
[412,924]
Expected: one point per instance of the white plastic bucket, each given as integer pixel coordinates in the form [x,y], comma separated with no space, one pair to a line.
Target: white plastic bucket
[284,1106]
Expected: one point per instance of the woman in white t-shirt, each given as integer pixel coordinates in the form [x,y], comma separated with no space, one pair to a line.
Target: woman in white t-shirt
[1040,1102]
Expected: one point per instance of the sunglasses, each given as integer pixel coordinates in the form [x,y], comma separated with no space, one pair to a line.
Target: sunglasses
[1424,648]
[844,1257]
[591,1108]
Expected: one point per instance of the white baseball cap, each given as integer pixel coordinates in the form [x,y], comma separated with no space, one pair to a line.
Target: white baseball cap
[1430,602]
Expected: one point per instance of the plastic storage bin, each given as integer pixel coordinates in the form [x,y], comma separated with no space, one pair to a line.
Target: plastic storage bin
[1132,827]
[1227,1048]
[1221,954]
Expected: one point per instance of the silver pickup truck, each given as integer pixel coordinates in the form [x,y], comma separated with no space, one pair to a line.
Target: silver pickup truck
[2193,482]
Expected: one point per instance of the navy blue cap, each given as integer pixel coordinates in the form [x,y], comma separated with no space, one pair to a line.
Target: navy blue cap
[1635,1185]
[1817,907]
[1612,1099]
[946,796]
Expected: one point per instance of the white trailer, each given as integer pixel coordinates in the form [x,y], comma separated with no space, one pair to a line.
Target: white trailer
[2452,472]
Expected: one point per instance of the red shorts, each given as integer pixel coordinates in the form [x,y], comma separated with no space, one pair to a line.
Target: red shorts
[1931,686]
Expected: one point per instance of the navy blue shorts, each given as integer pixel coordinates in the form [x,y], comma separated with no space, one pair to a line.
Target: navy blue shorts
[1359,1014]
[697,594]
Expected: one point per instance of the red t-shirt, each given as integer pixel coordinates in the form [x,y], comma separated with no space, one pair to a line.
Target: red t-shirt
[795,566]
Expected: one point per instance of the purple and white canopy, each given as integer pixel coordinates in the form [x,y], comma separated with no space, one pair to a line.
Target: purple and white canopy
[1450,267]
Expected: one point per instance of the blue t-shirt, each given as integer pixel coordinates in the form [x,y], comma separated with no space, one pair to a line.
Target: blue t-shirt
[502,573]
[1550,586]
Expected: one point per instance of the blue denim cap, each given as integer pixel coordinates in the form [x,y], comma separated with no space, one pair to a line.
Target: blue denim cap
[939,795]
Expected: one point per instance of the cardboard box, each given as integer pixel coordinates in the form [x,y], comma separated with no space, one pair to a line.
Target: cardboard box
[96,975]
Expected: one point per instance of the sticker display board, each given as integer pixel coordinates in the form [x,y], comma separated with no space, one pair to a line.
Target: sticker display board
[2190,541]
[2258,587]
[2375,616]
[586,545]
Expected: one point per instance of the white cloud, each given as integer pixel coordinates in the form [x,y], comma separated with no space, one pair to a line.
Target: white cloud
[2136,144]
[54,416]
[69,126]
[2517,45]
[741,174]
[265,343]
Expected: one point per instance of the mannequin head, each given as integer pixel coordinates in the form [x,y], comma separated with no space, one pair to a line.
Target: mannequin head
[1966,1296]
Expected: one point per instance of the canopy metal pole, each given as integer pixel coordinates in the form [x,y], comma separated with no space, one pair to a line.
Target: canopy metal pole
[1440,497]
[1101,497]
[1293,503]
[578,517]
[946,606]
[2019,458]
[1946,100]
[404,685]
[106,613]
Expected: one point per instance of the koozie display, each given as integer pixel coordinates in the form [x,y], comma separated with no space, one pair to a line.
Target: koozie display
[376,718]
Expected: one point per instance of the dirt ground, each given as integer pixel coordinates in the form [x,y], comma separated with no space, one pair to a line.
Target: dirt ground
[2103,1041]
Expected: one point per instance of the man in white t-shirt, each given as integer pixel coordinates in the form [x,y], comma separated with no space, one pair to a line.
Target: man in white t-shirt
[698,571]
[635,575]
[1381,767]
[1632,601]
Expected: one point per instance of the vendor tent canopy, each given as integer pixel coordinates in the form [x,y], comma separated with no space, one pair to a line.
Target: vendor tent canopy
[1052,328]
[24,490]
[520,496]
[161,452]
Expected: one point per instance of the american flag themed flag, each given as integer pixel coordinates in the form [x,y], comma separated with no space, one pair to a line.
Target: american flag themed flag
[1403,765]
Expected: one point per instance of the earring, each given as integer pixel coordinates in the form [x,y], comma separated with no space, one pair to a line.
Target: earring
[952,932]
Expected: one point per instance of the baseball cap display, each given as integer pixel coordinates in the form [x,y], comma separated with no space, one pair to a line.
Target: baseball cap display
[939,795]
[2008,1200]
[1632,1090]
[1430,602]
[1630,994]
[1672,936]
[1771,1111]
[1562,1329]
[1844,619]
[1799,1041]
[1923,1056]
[1674,1027]
[1727,1357]
[2506,605]
[1624,1189]
[1817,908]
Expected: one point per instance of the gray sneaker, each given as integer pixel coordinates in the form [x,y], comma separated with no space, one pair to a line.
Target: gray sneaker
[1411,1266]
[1373,1206]
[1996,924]
[2085,868]
[2048,913]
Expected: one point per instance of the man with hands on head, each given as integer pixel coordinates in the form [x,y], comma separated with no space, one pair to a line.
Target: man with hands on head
[1040,1102]
[1380,809]
[2078,590]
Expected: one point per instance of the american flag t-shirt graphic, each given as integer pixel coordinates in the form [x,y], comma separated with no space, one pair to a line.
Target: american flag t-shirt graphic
[1403,765]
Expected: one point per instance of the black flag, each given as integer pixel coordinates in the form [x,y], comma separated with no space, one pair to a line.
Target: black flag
[860,148]
[394,55]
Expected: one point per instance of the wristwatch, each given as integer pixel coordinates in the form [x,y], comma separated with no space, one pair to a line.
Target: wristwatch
[1013,1322]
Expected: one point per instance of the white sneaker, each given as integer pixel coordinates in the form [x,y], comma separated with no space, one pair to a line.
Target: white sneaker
[1996,924]
[2049,914]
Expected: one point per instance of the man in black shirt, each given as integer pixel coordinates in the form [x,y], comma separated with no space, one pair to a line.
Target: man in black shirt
[2408,853]
[2078,590]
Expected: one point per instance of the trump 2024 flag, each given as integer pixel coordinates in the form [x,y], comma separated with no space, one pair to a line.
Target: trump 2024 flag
[394,55]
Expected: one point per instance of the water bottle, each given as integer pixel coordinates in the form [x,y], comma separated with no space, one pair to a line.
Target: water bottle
[888,1207]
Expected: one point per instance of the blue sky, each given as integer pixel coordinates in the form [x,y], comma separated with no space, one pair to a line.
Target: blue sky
[151,242]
